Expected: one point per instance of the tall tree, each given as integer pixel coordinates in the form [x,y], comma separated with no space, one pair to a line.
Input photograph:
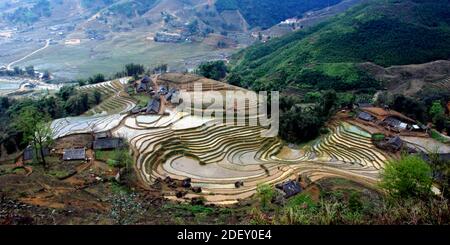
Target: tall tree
[216,70]
[97,97]
[30,71]
[36,130]
[134,69]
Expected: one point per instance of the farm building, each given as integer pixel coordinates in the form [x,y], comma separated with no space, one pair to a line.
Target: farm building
[395,143]
[146,79]
[107,144]
[290,188]
[143,87]
[29,153]
[153,106]
[171,94]
[381,114]
[364,105]
[395,123]
[74,154]
[101,135]
[366,116]
[163,90]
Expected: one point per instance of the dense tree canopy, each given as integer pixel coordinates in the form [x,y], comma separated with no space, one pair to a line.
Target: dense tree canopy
[408,177]
[216,70]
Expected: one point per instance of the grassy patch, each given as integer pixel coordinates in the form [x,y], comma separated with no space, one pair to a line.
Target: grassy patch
[378,137]
[302,200]
[142,100]
[437,136]
[58,173]
[188,208]
[118,188]
[104,156]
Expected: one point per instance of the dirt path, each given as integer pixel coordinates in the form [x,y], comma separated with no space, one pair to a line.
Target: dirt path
[47,43]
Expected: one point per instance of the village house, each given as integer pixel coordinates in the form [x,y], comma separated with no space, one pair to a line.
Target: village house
[168,37]
[390,119]
[173,93]
[289,188]
[107,144]
[365,116]
[74,154]
[153,106]
[144,85]
[163,90]
[101,135]
[29,153]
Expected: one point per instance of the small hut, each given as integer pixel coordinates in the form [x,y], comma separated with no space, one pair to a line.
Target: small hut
[74,154]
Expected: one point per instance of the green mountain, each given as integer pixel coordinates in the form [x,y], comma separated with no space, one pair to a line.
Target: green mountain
[385,32]
[266,13]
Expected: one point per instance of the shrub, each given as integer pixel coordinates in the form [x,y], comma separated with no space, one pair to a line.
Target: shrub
[265,193]
[408,177]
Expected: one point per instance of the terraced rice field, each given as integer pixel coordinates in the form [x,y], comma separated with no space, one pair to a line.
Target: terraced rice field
[105,116]
[215,156]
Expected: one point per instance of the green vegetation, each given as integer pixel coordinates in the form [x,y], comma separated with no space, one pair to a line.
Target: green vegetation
[19,72]
[425,106]
[304,123]
[59,174]
[351,205]
[216,70]
[265,193]
[326,56]
[437,136]
[378,137]
[28,15]
[35,127]
[21,116]
[408,177]
[266,13]
[128,8]
[118,158]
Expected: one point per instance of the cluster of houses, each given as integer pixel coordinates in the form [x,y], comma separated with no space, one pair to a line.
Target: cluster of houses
[157,98]
[391,120]
[100,141]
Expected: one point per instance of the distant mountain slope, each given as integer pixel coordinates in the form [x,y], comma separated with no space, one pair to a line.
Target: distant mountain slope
[266,13]
[386,32]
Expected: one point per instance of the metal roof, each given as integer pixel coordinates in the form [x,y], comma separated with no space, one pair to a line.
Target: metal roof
[153,106]
[29,152]
[74,154]
[146,79]
[396,142]
[101,135]
[365,116]
[143,87]
[290,188]
[107,144]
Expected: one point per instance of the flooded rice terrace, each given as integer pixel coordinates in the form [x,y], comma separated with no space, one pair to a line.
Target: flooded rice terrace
[9,84]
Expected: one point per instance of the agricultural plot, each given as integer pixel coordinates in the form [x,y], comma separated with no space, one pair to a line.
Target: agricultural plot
[106,116]
[215,156]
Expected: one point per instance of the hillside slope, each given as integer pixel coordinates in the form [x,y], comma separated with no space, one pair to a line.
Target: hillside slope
[266,13]
[385,32]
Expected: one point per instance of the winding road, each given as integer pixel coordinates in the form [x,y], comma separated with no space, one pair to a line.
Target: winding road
[47,43]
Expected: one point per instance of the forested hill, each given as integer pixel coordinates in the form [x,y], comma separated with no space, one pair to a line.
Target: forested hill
[386,32]
[266,13]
